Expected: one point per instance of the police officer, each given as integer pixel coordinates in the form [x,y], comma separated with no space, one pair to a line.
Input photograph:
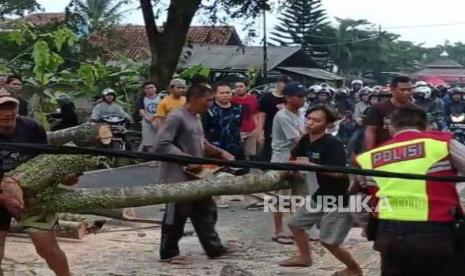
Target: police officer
[416,227]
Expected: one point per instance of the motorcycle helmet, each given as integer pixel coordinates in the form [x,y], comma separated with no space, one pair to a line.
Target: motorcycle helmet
[314,88]
[377,88]
[354,82]
[62,99]
[325,91]
[364,92]
[385,93]
[456,90]
[373,95]
[108,91]
[343,91]
[420,83]
[422,92]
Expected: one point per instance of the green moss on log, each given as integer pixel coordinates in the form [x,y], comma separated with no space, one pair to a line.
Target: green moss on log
[49,170]
[86,200]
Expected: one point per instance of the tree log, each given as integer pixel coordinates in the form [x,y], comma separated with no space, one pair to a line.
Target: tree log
[87,200]
[65,229]
[47,171]
[82,135]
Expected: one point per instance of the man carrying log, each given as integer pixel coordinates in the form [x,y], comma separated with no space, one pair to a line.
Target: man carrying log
[182,134]
[19,129]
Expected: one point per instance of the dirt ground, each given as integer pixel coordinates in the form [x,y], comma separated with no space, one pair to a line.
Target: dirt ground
[116,251]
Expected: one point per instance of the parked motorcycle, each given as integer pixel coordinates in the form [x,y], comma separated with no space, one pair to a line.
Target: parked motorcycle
[65,115]
[123,138]
[456,125]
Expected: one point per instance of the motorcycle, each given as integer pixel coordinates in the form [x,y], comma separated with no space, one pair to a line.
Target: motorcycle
[456,125]
[122,137]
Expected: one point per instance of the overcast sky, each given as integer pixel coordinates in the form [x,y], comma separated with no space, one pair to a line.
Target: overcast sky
[409,16]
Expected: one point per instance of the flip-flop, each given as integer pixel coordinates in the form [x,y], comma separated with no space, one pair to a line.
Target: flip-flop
[177,260]
[292,263]
[282,239]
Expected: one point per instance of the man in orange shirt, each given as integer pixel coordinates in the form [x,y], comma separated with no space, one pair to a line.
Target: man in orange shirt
[175,100]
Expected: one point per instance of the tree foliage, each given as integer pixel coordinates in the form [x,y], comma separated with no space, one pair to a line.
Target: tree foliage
[17,7]
[166,45]
[96,15]
[303,23]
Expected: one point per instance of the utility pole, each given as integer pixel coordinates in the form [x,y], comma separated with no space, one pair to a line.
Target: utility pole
[265,47]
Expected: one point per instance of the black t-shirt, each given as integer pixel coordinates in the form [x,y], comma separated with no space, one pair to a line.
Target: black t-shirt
[27,131]
[378,116]
[328,150]
[270,105]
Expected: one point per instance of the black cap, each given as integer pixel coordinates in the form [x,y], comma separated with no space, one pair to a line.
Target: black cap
[284,78]
[294,89]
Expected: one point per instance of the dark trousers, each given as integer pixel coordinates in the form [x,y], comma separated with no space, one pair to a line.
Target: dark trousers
[419,249]
[266,152]
[203,215]
[401,265]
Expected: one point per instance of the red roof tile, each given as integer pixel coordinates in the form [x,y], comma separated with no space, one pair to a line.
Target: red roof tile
[137,46]
[45,18]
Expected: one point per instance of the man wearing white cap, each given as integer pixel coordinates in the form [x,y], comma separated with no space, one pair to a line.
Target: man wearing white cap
[40,227]
[175,100]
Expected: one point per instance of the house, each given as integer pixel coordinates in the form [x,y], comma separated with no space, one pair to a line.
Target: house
[37,19]
[441,71]
[218,48]
[136,45]
[221,59]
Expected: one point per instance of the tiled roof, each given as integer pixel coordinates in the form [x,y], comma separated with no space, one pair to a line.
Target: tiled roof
[137,46]
[441,72]
[37,19]
[443,63]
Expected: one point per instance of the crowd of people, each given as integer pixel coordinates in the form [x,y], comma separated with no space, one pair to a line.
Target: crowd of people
[316,125]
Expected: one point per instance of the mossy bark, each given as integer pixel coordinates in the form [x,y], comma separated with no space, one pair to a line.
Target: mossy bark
[47,171]
[90,199]
[82,135]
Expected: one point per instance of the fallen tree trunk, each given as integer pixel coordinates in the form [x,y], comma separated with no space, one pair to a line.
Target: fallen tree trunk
[82,135]
[88,199]
[47,171]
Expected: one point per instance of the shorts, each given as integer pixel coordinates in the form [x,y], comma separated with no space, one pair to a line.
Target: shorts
[29,222]
[149,132]
[249,140]
[334,226]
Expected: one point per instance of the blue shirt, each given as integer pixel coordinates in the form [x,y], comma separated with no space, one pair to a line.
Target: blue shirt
[222,127]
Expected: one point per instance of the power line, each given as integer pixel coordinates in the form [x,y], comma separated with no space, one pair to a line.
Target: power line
[347,42]
[426,25]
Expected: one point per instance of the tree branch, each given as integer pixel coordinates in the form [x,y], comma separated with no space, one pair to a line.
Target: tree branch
[89,200]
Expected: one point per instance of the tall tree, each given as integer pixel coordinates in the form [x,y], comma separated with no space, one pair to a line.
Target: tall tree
[303,23]
[17,7]
[166,44]
[97,15]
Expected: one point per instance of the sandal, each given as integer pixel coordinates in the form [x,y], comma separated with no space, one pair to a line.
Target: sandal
[282,239]
[293,262]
